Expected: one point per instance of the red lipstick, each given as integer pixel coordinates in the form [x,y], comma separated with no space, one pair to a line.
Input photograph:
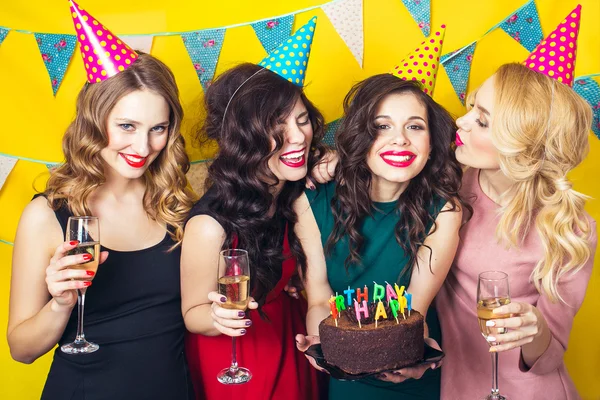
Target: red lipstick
[295,162]
[133,160]
[395,163]
[458,141]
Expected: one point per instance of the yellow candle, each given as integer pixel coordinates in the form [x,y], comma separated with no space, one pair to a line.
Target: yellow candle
[380,312]
[399,290]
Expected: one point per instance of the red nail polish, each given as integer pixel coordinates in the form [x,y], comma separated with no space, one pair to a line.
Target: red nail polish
[90,273]
[87,257]
[87,283]
[73,242]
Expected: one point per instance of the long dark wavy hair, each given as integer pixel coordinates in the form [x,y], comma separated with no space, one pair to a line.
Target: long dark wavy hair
[240,174]
[441,176]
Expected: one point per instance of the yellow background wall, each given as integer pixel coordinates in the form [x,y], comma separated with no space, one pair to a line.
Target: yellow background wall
[33,121]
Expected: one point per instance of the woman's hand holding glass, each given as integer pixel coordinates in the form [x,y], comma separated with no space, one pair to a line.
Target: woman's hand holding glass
[62,280]
[230,322]
[525,324]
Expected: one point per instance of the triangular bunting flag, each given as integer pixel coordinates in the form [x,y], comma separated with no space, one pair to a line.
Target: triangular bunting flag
[524,26]
[3,33]
[421,13]
[6,165]
[51,166]
[347,19]
[590,91]
[330,130]
[273,32]
[458,67]
[141,43]
[204,48]
[56,51]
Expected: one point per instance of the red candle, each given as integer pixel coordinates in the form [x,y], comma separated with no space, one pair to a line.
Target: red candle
[362,295]
[333,308]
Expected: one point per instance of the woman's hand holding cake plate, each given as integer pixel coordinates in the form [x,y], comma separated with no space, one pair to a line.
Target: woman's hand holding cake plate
[412,372]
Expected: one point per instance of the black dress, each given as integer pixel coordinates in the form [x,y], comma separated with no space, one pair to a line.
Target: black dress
[133,311]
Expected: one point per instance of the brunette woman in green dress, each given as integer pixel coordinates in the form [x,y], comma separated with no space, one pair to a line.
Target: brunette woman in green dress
[392,215]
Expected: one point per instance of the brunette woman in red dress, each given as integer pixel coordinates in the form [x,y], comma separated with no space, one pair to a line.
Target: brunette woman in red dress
[265,128]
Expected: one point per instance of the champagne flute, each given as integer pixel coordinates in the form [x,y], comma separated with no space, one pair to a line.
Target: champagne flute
[234,284]
[86,231]
[492,292]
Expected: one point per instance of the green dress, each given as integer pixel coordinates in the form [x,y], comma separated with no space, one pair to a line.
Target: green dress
[382,260]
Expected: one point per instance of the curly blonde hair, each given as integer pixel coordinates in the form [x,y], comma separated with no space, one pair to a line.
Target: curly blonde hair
[540,128]
[167,198]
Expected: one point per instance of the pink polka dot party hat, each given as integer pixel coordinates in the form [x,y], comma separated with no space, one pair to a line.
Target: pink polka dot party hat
[422,64]
[104,54]
[555,55]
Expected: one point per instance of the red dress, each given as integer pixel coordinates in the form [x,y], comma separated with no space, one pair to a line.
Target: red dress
[268,350]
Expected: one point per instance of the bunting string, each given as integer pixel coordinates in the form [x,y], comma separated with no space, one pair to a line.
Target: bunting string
[175,33]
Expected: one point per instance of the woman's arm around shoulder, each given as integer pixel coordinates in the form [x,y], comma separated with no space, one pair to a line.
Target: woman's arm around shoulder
[316,283]
[435,257]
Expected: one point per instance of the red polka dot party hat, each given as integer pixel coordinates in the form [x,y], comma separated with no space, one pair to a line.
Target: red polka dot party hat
[422,64]
[555,55]
[104,54]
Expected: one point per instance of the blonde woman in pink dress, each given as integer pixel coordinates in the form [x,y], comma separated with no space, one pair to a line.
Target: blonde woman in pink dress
[523,133]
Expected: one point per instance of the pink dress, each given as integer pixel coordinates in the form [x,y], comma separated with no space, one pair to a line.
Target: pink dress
[466,373]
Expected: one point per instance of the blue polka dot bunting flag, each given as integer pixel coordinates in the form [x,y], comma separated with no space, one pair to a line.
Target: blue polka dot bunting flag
[273,32]
[56,51]
[458,67]
[204,48]
[590,91]
[524,26]
[3,33]
[290,59]
[420,10]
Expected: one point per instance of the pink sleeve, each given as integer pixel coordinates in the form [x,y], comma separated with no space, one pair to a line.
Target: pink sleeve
[559,316]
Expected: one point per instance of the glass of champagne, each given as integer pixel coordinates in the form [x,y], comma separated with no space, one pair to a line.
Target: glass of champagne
[234,284]
[492,292]
[86,231]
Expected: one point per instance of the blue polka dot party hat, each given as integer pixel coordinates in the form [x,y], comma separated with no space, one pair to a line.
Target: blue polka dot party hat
[290,59]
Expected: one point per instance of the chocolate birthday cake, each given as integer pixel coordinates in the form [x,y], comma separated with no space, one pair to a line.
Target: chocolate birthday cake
[371,347]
